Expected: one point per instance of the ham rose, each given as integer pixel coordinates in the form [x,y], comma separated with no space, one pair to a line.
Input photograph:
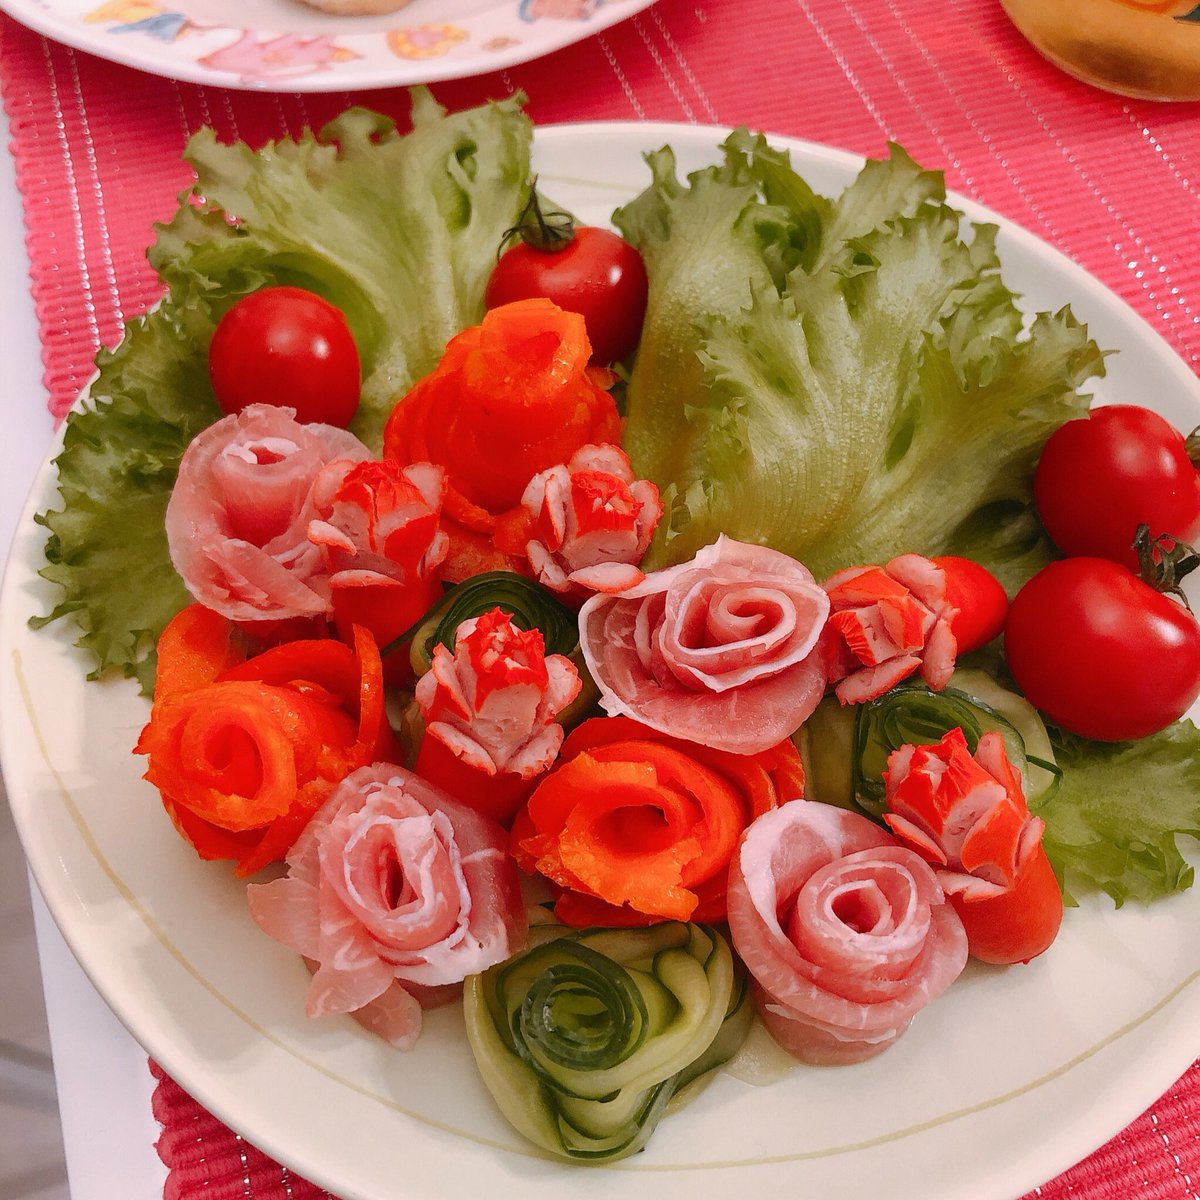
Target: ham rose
[889,622]
[591,522]
[846,934]
[238,518]
[967,816]
[395,893]
[725,650]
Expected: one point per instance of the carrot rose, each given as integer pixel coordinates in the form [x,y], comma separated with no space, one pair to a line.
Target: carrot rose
[633,826]
[244,752]
[511,397]
[967,816]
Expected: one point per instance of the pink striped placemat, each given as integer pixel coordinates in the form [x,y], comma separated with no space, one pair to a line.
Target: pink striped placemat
[1113,183]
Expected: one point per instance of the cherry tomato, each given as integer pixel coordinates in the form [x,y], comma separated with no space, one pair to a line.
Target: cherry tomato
[1102,476]
[1100,652]
[980,599]
[286,346]
[596,274]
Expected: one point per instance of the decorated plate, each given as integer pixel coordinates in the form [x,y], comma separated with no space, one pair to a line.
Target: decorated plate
[285,45]
[1010,1078]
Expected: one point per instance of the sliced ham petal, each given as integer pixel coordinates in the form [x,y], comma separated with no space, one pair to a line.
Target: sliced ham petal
[238,517]
[725,650]
[394,1015]
[393,887]
[846,934]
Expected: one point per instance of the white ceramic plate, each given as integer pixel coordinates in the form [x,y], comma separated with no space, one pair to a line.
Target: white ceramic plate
[1008,1079]
[287,46]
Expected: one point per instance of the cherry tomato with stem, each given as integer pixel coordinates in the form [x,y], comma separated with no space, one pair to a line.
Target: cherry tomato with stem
[1103,475]
[583,269]
[289,347]
[1102,652]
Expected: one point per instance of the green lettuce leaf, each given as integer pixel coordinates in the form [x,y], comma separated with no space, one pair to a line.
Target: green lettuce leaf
[399,231]
[843,381]
[1115,821]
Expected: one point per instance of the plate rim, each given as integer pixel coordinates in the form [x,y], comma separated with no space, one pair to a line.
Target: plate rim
[47,22]
[707,139]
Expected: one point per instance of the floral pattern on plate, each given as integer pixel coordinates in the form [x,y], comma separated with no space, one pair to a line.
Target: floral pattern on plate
[288,45]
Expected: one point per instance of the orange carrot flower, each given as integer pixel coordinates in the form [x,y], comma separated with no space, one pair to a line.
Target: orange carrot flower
[634,826]
[511,397]
[244,751]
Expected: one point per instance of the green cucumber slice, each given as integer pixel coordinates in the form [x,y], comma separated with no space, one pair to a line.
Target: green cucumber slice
[587,1038]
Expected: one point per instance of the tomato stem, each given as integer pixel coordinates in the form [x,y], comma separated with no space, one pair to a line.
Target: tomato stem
[1191,445]
[548,232]
[1164,561]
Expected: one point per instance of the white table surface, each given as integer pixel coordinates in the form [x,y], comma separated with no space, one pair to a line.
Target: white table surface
[104,1086]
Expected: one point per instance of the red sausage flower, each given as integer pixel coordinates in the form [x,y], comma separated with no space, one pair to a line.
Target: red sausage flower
[489,710]
[890,621]
[379,527]
[592,522]
[968,817]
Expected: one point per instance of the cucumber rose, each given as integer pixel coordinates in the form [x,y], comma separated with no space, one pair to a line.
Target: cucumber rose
[586,1039]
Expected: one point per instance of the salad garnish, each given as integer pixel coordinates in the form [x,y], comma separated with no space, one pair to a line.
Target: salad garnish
[775,544]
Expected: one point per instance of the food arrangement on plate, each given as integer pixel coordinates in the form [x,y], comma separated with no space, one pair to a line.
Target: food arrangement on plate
[627,695]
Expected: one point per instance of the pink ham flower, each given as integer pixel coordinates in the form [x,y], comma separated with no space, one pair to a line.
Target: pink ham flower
[967,816]
[238,518]
[889,622]
[846,934]
[724,650]
[493,701]
[592,522]
[395,893]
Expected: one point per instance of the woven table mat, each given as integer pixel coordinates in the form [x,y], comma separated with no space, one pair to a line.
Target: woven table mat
[1113,183]
[1156,1158]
